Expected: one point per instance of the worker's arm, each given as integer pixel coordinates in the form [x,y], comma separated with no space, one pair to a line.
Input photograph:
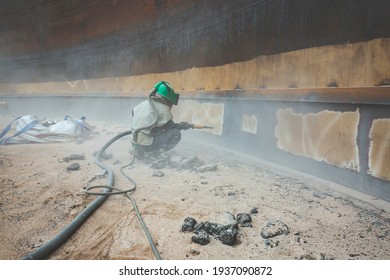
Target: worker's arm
[179,126]
[184,125]
[171,125]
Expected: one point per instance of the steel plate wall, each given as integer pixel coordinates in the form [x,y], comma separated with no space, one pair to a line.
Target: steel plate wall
[50,40]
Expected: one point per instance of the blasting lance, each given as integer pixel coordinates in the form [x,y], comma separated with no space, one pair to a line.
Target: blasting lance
[199,126]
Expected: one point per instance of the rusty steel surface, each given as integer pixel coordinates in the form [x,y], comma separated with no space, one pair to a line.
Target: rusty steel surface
[44,41]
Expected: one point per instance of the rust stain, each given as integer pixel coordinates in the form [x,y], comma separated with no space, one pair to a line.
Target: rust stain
[327,136]
[379,151]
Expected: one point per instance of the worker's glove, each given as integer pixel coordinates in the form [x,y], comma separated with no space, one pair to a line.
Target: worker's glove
[184,126]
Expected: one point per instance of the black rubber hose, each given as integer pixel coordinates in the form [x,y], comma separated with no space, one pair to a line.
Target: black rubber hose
[52,245]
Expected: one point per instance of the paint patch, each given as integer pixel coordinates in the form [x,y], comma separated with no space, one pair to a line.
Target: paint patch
[209,114]
[325,136]
[249,123]
[379,150]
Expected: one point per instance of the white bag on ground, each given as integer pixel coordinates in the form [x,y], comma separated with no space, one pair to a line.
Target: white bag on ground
[64,131]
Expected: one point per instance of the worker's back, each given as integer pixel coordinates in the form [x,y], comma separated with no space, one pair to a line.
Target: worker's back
[143,115]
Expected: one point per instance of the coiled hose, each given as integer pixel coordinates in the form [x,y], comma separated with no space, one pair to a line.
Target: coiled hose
[52,245]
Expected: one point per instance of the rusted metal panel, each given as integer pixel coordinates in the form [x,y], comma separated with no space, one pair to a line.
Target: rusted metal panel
[92,39]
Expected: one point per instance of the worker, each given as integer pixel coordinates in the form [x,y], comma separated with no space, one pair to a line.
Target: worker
[163,135]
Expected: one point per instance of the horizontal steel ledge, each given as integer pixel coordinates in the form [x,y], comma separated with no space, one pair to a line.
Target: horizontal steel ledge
[359,95]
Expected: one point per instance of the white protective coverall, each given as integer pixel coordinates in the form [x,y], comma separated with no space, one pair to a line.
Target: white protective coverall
[144,115]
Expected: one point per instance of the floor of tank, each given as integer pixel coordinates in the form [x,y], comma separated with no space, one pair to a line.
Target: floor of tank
[292,216]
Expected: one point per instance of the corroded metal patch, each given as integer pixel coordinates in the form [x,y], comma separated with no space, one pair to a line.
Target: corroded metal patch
[327,136]
[379,151]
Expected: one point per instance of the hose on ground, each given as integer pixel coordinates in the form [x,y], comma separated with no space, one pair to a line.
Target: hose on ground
[141,221]
[52,245]
[133,202]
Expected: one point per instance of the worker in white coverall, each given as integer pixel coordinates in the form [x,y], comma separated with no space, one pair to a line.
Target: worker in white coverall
[149,143]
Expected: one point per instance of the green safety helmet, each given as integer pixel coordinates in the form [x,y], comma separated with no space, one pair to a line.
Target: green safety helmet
[165,90]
